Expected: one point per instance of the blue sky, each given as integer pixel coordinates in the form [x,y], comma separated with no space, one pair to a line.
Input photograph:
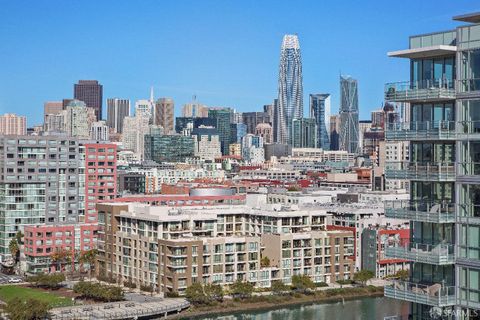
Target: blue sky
[225,52]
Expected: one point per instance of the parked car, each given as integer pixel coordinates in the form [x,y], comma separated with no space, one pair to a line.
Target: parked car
[14,280]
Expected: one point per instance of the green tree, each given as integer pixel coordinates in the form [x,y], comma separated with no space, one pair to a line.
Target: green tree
[31,309]
[402,275]
[265,262]
[240,289]
[19,237]
[278,287]
[213,292]
[195,294]
[363,276]
[98,291]
[88,257]
[14,249]
[302,282]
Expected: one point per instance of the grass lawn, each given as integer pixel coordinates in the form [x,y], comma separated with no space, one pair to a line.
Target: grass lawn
[9,292]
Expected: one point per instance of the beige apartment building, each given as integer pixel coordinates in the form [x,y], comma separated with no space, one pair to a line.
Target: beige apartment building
[170,248]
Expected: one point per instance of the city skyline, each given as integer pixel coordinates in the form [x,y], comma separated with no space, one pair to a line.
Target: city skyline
[178,67]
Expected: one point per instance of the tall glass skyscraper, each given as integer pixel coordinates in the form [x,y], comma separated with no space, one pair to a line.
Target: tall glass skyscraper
[348,114]
[290,89]
[320,111]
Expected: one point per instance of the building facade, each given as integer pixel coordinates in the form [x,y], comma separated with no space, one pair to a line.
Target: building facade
[90,92]
[348,114]
[320,111]
[290,89]
[168,148]
[117,110]
[12,124]
[304,133]
[164,114]
[444,108]
[222,117]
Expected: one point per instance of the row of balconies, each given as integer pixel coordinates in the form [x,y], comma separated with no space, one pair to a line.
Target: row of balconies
[437,254]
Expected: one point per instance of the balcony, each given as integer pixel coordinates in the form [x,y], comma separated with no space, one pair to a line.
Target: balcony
[438,254]
[435,212]
[428,171]
[465,86]
[433,130]
[427,130]
[435,294]
[468,214]
[418,91]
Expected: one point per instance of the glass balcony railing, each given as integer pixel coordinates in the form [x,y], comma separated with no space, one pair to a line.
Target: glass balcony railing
[435,212]
[423,90]
[468,168]
[437,254]
[468,85]
[433,130]
[435,294]
[430,171]
[468,213]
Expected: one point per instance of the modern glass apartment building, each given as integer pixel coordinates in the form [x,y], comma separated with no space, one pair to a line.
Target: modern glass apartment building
[320,111]
[290,89]
[349,133]
[443,94]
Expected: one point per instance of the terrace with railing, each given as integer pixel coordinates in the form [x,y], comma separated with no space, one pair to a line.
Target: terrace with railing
[419,210]
[435,294]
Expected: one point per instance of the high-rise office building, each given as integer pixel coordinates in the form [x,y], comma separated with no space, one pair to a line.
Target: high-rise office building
[90,92]
[304,133]
[10,123]
[443,95]
[290,88]
[222,118]
[194,110]
[52,107]
[168,148]
[320,111]
[238,131]
[117,110]
[348,114]
[145,107]
[164,114]
[207,143]
[335,132]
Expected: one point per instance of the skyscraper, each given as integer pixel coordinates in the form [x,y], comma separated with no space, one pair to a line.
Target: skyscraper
[90,92]
[290,88]
[320,111]
[117,110]
[164,114]
[222,117]
[348,114]
[304,133]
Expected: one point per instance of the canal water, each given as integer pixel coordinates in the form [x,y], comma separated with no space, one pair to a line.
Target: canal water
[359,309]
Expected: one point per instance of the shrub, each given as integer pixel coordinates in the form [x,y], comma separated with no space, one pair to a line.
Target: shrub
[130,284]
[98,291]
[321,284]
[346,281]
[51,281]
[241,290]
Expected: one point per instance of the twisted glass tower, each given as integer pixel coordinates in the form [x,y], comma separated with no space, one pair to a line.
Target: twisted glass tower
[290,89]
[349,114]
